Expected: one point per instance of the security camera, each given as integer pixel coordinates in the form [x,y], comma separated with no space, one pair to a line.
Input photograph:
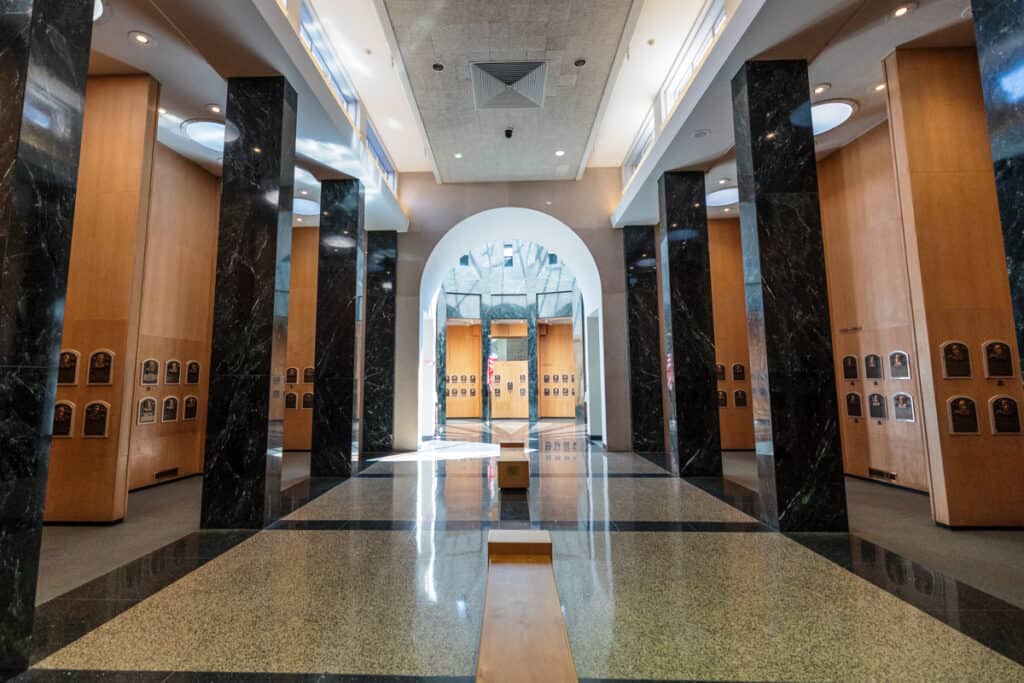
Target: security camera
[508,133]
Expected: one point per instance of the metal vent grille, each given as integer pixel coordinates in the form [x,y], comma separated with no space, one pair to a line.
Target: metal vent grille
[509,85]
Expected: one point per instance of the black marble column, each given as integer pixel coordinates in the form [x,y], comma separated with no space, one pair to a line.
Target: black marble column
[999,28]
[245,423]
[379,354]
[643,339]
[799,455]
[44,53]
[337,314]
[692,326]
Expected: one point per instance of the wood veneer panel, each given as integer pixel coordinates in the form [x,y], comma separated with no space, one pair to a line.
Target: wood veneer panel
[957,274]
[556,356]
[728,295]
[463,357]
[88,476]
[298,421]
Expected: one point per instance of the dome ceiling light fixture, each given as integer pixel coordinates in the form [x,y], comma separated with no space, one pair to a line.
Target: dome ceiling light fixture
[726,197]
[829,115]
[140,38]
[210,134]
[305,207]
[97,10]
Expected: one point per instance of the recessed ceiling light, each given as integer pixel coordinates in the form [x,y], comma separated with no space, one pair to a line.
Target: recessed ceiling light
[723,181]
[548,203]
[457,155]
[727,209]
[880,87]
[438,66]
[579,63]
[214,108]
[97,10]
[904,9]
[822,88]
[299,219]
[304,193]
[258,150]
[826,116]
[305,207]
[729,195]
[560,153]
[140,38]
[162,110]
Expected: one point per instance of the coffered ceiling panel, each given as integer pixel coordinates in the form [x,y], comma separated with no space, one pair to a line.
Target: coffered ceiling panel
[464,112]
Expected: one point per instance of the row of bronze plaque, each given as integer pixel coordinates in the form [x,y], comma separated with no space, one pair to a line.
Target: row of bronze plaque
[461,379]
[565,378]
[962,412]
[956,362]
[291,376]
[739,399]
[97,416]
[172,372]
[101,368]
[739,373]
[169,412]
[291,400]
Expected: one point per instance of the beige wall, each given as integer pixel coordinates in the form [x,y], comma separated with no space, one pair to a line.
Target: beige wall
[584,206]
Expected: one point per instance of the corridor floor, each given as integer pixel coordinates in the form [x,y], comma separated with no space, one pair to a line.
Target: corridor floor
[382,575]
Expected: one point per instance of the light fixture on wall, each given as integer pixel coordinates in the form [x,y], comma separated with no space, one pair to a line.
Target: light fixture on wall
[826,116]
[140,38]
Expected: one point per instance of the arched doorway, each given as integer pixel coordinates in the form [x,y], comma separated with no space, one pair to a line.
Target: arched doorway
[510,225]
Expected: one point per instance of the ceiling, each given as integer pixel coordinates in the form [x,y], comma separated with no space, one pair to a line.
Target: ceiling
[844,42]
[457,34]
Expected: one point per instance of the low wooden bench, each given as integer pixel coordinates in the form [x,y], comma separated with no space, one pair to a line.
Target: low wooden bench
[523,639]
[513,466]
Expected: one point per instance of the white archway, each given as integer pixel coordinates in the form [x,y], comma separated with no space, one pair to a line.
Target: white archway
[503,225]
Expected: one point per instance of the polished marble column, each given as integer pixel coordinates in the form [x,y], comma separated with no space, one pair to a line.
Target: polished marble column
[999,27]
[799,456]
[245,423]
[643,339]
[338,313]
[44,53]
[379,355]
[692,326]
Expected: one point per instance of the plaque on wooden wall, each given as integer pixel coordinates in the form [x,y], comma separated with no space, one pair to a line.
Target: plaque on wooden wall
[63,419]
[101,367]
[172,372]
[95,424]
[67,370]
[547,391]
[1005,415]
[472,379]
[191,410]
[899,365]
[462,379]
[739,372]
[472,393]
[497,378]
[956,360]
[739,399]
[851,367]
[723,397]
[150,371]
[565,379]
[854,407]
[170,410]
[463,392]
[720,372]
[998,359]
[307,400]
[147,411]
[522,378]
[573,378]
[522,392]
[963,415]
[291,376]
[453,379]
[873,366]
[547,378]
[291,401]
[565,391]
[509,386]
[307,375]
[192,372]
[903,407]
[877,408]
[497,392]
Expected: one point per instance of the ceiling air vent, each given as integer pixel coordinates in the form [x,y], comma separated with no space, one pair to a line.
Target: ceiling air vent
[509,85]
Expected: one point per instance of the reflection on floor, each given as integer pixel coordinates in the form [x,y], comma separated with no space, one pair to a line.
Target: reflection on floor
[660,578]
[901,521]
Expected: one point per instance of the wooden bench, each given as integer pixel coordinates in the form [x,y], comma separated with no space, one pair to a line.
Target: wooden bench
[523,638]
[513,466]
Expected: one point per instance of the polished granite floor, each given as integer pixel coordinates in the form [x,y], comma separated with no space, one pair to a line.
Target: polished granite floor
[381,578]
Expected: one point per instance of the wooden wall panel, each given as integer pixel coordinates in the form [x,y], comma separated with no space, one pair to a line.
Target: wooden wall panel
[463,358]
[298,421]
[88,476]
[177,316]
[510,397]
[736,423]
[556,358]
[869,297]
[958,277]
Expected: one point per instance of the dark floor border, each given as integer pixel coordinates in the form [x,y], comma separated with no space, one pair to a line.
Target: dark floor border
[548,525]
[53,675]
[888,484]
[533,475]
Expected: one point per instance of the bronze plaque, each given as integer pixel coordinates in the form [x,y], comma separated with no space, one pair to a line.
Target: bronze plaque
[956,361]
[854,408]
[472,393]
[191,408]
[963,415]
[67,370]
[565,379]
[851,368]
[63,417]
[998,359]
[307,375]
[522,392]
[1005,416]
[723,397]
[899,365]
[170,411]
[565,391]
[291,401]
[547,391]
[878,407]
[192,372]
[720,372]
[903,408]
[547,378]
[101,368]
[147,411]
[739,372]
[95,420]
[150,371]
[291,376]
[172,372]
[873,366]
[307,400]
[739,399]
